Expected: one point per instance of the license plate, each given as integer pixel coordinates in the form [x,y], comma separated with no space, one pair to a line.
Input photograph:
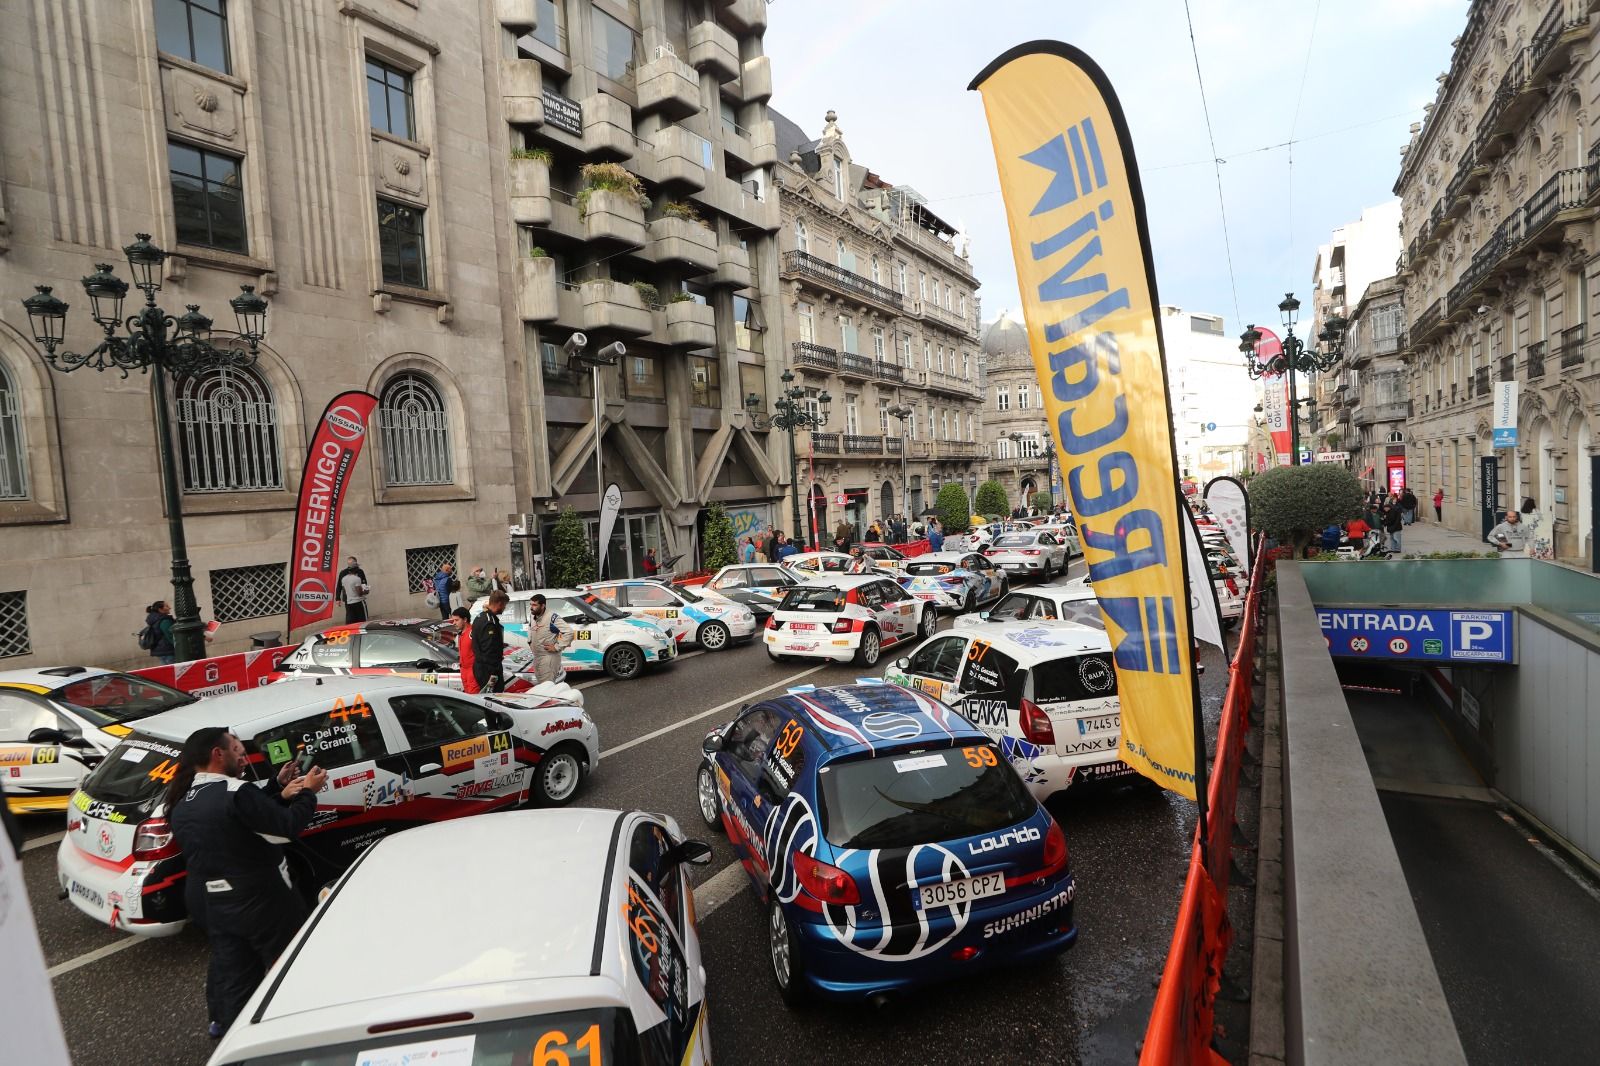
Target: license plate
[803,627]
[1014,566]
[1106,723]
[961,890]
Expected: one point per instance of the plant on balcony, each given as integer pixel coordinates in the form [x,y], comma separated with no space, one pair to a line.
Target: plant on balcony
[1292,504]
[571,563]
[683,210]
[648,293]
[537,252]
[680,298]
[992,499]
[539,155]
[720,549]
[953,508]
[608,177]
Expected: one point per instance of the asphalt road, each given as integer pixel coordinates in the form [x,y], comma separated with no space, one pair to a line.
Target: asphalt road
[127,1001]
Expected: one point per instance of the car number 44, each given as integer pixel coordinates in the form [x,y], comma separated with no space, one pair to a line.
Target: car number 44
[961,890]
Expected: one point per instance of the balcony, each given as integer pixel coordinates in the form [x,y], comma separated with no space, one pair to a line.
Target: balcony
[1562,27]
[919,449]
[960,449]
[825,443]
[685,244]
[536,289]
[810,356]
[854,365]
[747,16]
[887,371]
[1536,360]
[939,316]
[948,383]
[530,191]
[669,86]
[1565,191]
[854,445]
[733,267]
[713,48]
[1428,322]
[682,158]
[613,218]
[614,307]
[1457,196]
[686,324]
[608,127]
[755,83]
[1480,381]
[518,15]
[522,91]
[807,266]
[1512,102]
[1570,345]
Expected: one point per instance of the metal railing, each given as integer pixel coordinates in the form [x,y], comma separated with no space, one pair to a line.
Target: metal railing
[825,443]
[890,371]
[808,354]
[857,445]
[1565,190]
[1428,319]
[1511,83]
[1571,347]
[1536,360]
[808,265]
[857,365]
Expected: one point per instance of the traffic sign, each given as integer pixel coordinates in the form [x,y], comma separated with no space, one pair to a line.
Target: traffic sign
[1426,634]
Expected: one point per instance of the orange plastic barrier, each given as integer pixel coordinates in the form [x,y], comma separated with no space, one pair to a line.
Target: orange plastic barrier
[1182,1020]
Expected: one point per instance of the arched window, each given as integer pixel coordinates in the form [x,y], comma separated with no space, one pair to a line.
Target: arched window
[228,432]
[13,448]
[800,239]
[415,430]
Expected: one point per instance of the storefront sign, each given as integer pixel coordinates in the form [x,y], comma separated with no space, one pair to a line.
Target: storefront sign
[1333,457]
[1396,466]
[1418,634]
[563,112]
[1505,414]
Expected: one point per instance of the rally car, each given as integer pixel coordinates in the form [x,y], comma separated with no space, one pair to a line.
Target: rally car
[712,622]
[590,958]
[57,723]
[889,841]
[846,618]
[1073,602]
[1046,692]
[759,586]
[415,648]
[1029,554]
[954,581]
[604,638]
[884,556]
[398,754]
[810,564]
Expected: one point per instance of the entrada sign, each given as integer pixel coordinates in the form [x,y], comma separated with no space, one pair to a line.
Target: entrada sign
[1430,635]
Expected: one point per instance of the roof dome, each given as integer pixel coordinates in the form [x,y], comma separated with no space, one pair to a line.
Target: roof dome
[1006,335]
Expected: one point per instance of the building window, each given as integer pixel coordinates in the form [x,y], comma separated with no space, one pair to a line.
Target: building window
[801,238]
[808,323]
[963,306]
[414,429]
[900,278]
[423,563]
[228,433]
[922,286]
[747,324]
[1002,398]
[548,29]
[838,179]
[14,624]
[705,381]
[878,349]
[911,424]
[242,592]
[207,200]
[1002,448]
[927,355]
[972,427]
[641,379]
[877,271]
[905,349]
[848,341]
[1022,396]
[400,244]
[389,99]
[613,48]
[13,445]
[852,413]
[196,30]
[847,261]
[936,292]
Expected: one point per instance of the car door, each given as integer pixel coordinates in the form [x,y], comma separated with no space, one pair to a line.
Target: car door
[744,747]
[37,775]
[990,688]
[658,605]
[663,950]
[897,610]
[934,667]
[1052,550]
[452,753]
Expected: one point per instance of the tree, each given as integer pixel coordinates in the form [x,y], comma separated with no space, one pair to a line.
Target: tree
[1041,502]
[953,508]
[992,499]
[569,562]
[718,546]
[1292,504]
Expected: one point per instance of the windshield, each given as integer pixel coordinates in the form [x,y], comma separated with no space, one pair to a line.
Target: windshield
[919,797]
[812,598]
[135,771]
[1015,540]
[928,569]
[689,594]
[600,608]
[110,698]
[1075,678]
[599,1036]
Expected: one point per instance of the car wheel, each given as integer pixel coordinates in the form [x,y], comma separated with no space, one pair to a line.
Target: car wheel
[624,661]
[775,657]
[705,787]
[970,603]
[713,636]
[929,623]
[784,951]
[1229,623]
[557,777]
[871,645]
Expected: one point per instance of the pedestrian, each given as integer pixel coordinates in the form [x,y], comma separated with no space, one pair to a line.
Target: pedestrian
[232,834]
[648,564]
[841,536]
[1537,539]
[489,644]
[1509,538]
[353,590]
[478,586]
[786,548]
[443,578]
[897,529]
[935,536]
[461,618]
[1393,523]
[548,635]
[747,550]
[1438,505]
[767,550]
[156,637]
[1408,505]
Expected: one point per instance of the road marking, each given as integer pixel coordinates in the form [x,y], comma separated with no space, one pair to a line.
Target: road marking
[44,841]
[94,956]
[603,680]
[680,723]
[718,889]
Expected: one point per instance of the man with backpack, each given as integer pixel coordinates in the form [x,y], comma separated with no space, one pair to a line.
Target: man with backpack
[156,636]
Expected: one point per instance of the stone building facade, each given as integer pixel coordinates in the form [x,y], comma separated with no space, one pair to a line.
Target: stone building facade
[1499,189]
[880,311]
[381,171]
[1016,429]
[1374,403]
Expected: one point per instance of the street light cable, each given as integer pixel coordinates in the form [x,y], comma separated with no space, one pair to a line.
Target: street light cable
[1294,122]
[1216,160]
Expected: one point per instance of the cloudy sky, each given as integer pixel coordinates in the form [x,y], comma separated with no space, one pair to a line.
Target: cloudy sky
[896,72]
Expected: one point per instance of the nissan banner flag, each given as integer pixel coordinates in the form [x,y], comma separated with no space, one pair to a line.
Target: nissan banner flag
[341,430]
[1274,395]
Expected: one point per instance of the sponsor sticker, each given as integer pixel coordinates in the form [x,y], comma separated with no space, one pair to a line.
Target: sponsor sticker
[457,754]
[919,762]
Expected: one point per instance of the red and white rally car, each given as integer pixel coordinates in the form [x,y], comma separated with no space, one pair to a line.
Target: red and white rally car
[846,618]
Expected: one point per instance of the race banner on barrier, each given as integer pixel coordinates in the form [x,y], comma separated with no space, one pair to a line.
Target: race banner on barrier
[1082,250]
[221,674]
[341,430]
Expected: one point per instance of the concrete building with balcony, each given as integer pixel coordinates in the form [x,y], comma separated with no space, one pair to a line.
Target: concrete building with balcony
[1500,187]
[1375,398]
[1016,429]
[880,311]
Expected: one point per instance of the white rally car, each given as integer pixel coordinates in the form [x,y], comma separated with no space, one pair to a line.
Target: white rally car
[604,638]
[398,754]
[954,581]
[713,622]
[591,956]
[846,618]
[1046,691]
[1029,554]
[1072,602]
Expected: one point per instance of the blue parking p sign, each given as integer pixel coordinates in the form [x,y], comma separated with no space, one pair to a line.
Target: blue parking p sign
[1418,634]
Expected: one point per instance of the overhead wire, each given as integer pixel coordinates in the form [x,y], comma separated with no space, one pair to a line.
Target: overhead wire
[1216,160]
[1294,123]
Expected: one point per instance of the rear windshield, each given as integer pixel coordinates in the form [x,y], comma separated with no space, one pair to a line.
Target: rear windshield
[929,569]
[1076,677]
[918,797]
[1014,540]
[807,598]
[135,771]
[111,698]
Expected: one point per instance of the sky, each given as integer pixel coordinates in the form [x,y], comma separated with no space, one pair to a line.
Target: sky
[1344,79]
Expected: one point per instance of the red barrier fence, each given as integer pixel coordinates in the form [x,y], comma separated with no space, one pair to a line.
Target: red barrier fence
[1181,1021]
[224,673]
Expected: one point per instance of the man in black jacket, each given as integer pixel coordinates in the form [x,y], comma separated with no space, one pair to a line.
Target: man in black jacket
[233,834]
[489,644]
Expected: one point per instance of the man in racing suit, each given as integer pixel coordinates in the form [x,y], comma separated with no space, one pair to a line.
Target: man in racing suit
[232,834]
[548,635]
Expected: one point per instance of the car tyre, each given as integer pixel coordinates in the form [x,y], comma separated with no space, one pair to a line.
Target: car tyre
[969,603]
[775,657]
[869,650]
[624,661]
[783,951]
[710,802]
[713,636]
[928,624]
[558,776]
[1229,623]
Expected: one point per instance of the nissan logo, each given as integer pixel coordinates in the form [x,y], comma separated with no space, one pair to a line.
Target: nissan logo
[311,593]
[346,423]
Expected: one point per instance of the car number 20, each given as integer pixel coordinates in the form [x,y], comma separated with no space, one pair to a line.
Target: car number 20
[962,890]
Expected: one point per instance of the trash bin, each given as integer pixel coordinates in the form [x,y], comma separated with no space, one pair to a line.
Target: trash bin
[266,640]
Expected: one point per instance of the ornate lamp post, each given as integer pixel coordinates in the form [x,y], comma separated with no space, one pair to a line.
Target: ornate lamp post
[790,414]
[1295,358]
[150,339]
[903,412]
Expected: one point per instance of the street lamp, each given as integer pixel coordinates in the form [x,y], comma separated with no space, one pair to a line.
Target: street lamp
[1295,358]
[150,339]
[791,415]
[578,355]
[904,411]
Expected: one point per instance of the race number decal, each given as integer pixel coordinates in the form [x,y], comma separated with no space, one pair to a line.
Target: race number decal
[584,634]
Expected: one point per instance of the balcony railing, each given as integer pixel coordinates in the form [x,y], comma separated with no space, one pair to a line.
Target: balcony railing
[893,445]
[1571,347]
[862,366]
[1536,360]
[857,445]
[1428,320]
[1511,83]
[949,319]
[1566,189]
[825,443]
[932,379]
[1480,381]
[1563,16]
[808,354]
[808,265]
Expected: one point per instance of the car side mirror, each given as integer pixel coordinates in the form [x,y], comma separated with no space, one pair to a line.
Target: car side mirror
[45,735]
[692,852]
[712,743]
[983,616]
[903,663]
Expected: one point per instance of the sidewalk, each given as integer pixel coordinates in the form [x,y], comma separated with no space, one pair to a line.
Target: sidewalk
[1423,538]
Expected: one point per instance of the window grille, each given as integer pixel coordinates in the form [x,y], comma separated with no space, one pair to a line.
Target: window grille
[13,449]
[14,624]
[228,433]
[241,592]
[415,431]
[423,563]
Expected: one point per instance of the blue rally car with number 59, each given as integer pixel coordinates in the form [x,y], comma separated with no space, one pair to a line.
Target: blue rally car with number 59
[891,842]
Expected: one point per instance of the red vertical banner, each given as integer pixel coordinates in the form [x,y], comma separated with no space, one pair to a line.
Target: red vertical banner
[1275,397]
[329,463]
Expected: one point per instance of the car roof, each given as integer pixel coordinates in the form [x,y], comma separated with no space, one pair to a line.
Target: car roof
[1039,640]
[403,625]
[550,868]
[941,557]
[49,678]
[843,581]
[617,581]
[815,555]
[866,716]
[284,699]
[1071,593]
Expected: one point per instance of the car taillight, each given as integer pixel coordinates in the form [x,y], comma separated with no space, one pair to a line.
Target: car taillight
[154,840]
[1055,848]
[1233,588]
[1036,726]
[843,625]
[827,883]
[1030,551]
[774,622]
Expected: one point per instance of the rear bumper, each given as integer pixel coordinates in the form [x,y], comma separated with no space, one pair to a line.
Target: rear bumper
[146,901]
[839,647]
